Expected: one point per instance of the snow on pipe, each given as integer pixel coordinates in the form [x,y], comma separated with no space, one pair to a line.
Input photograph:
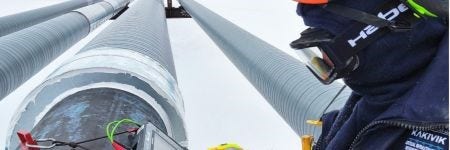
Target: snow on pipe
[25,52]
[130,58]
[16,22]
[285,83]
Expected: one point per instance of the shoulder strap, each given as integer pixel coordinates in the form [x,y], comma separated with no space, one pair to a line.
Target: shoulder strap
[357,15]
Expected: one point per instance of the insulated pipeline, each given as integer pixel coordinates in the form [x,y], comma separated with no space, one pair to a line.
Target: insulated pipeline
[285,83]
[25,52]
[141,35]
[152,42]
[16,22]
[126,71]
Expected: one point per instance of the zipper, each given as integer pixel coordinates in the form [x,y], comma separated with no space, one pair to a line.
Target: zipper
[401,124]
[318,144]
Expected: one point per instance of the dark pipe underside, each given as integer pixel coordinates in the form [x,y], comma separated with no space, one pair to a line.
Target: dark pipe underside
[84,116]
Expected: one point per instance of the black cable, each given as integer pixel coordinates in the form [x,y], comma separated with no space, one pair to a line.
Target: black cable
[90,140]
[70,144]
[82,147]
[77,144]
[334,98]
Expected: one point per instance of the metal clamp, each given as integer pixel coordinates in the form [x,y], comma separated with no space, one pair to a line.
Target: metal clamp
[43,146]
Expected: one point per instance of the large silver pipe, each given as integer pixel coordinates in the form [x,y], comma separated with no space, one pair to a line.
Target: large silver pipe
[126,71]
[16,22]
[284,82]
[25,52]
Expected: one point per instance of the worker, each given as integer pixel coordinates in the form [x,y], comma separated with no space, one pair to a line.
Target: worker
[394,56]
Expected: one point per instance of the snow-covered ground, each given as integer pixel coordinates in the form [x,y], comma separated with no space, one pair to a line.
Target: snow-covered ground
[221,105]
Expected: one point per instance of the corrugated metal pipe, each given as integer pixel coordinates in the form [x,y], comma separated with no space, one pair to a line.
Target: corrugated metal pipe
[19,21]
[129,64]
[285,83]
[25,52]
[147,35]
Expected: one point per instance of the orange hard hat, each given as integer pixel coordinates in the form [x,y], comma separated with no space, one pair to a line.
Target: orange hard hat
[313,2]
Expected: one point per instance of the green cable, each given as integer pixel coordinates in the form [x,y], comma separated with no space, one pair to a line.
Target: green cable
[110,133]
[107,130]
[120,122]
[420,9]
